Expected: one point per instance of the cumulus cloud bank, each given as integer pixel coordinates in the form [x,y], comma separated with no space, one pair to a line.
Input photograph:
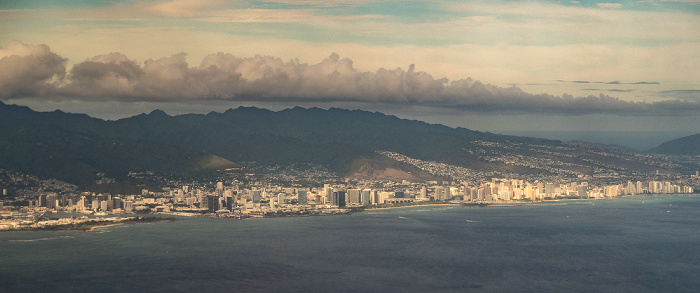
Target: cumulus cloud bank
[28,71]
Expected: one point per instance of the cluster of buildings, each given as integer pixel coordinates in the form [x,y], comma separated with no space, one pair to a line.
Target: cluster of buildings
[232,201]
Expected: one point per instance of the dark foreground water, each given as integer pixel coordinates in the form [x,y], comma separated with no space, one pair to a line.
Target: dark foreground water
[640,244]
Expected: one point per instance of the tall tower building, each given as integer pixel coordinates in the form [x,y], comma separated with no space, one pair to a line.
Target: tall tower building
[366,196]
[255,196]
[220,188]
[329,193]
[353,195]
[303,198]
[339,198]
[438,193]
[213,203]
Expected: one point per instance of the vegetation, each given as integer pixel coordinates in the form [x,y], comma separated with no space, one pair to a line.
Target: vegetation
[688,146]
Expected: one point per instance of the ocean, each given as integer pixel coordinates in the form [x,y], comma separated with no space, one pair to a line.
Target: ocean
[632,244]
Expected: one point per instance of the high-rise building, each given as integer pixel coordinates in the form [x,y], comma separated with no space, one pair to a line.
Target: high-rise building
[366,196]
[339,198]
[116,202]
[329,193]
[582,191]
[220,189]
[229,203]
[353,196]
[255,195]
[42,200]
[631,187]
[611,191]
[213,203]
[81,204]
[302,197]
[639,187]
[52,201]
[438,193]
[128,206]
[281,198]
[549,190]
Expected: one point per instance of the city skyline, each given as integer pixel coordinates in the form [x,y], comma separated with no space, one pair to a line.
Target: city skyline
[500,66]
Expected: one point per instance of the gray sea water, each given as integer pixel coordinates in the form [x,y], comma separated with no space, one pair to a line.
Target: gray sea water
[636,244]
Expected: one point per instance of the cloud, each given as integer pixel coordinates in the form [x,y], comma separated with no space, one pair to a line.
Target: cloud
[685,94]
[639,82]
[34,72]
[28,70]
[260,16]
[609,5]
[183,8]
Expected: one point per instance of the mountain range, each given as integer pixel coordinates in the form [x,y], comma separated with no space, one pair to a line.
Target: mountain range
[687,146]
[353,143]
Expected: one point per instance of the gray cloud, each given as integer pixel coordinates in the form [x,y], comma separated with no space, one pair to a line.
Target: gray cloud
[27,70]
[639,82]
[681,92]
[689,95]
[114,77]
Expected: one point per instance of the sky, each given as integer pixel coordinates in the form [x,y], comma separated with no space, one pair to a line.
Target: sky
[499,66]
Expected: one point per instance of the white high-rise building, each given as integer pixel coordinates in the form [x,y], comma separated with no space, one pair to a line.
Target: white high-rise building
[366,196]
[353,195]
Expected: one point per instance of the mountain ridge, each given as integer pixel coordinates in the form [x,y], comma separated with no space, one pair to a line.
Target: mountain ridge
[64,146]
[348,142]
[687,145]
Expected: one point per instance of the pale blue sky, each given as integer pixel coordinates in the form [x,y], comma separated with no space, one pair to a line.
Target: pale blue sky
[639,52]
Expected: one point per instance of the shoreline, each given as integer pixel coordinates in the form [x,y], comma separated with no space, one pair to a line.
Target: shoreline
[416,205]
[92,225]
[93,228]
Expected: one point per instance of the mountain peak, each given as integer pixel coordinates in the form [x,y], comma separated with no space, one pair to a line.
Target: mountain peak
[158,114]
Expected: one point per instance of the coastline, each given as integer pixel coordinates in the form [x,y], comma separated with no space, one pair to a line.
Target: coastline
[93,228]
[91,225]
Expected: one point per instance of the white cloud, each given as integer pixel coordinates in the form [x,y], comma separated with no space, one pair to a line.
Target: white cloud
[259,16]
[184,8]
[609,5]
[115,77]
[685,1]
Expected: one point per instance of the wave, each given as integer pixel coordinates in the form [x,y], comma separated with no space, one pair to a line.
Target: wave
[41,239]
